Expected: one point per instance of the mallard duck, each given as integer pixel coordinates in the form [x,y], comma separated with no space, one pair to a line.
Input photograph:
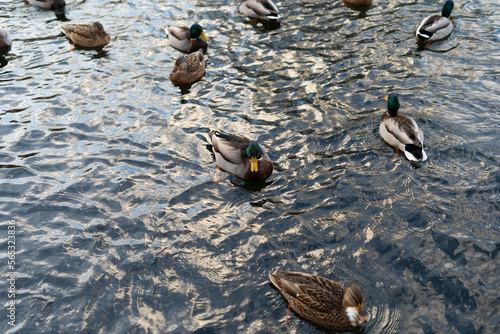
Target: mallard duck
[5,41]
[48,4]
[87,35]
[402,131]
[435,27]
[321,300]
[188,68]
[358,2]
[240,156]
[260,9]
[188,39]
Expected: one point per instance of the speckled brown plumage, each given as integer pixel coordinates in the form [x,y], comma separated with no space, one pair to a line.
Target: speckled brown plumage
[87,35]
[188,68]
[319,299]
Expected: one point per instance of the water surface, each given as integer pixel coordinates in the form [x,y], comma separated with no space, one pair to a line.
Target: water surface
[121,226]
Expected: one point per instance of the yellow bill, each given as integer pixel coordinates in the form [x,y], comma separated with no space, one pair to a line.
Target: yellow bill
[254,165]
[202,35]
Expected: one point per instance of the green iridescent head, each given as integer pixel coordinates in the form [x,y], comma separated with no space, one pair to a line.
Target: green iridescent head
[447,8]
[196,31]
[392,104]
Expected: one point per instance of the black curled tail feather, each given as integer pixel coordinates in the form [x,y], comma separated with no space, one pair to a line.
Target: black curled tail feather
[415,150]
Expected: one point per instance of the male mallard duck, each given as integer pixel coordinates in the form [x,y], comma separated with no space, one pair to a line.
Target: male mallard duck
[260,9]
[401,131]
[240,156]
[87,35]
[5,41]
[321,300]
[358,2]
[435,27]
[48,4]
[188,39]
[188,68]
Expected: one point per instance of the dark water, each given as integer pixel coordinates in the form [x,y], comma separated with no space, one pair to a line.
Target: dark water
[121,228]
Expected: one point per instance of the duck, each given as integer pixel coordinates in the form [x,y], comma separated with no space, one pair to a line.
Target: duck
[321,300]
[188,39]
[5,41]
[48,4]
[188,68]
[240,156]
[436,27]
[260,9]
[87,35]
[401,131]
[360,3]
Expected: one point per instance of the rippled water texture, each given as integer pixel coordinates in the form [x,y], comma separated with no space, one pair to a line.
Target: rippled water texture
[122,228]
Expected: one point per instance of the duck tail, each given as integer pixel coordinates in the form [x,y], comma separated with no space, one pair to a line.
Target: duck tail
[415,153]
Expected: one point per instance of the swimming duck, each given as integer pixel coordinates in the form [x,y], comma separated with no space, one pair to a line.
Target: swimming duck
[87,35]
[321,300]
[358,2]
[48,4]
[435,27]
[260,9]
[5,41]
[240,156]
[188,68]
[188,39]
[402,131]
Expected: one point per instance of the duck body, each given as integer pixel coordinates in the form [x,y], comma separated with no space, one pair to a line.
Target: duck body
[260,9]
[436,27]
[87,35]
[188,68]
[5,40]
[321,300]
[359,2]
[402,131]
[240,156]
[48,4]
[188,39]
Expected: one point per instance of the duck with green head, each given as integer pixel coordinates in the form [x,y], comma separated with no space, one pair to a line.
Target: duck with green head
[401,131]
[436,27]
[188,39]
[321,300]
[240,156]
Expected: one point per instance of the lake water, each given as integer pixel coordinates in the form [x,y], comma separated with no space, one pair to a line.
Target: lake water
[121,227]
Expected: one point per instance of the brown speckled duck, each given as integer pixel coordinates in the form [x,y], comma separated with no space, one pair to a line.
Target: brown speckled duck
[321,300]
[240,156]
[87,35]
[188,68]
[188,39]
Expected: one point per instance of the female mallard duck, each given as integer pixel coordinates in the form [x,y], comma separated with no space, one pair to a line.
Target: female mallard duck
[188,39]
[240,156]
[48,4]
[188,68]
[435,27]
[260,9]
[87,35]
[5,41]
[401,131]
[321,300]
